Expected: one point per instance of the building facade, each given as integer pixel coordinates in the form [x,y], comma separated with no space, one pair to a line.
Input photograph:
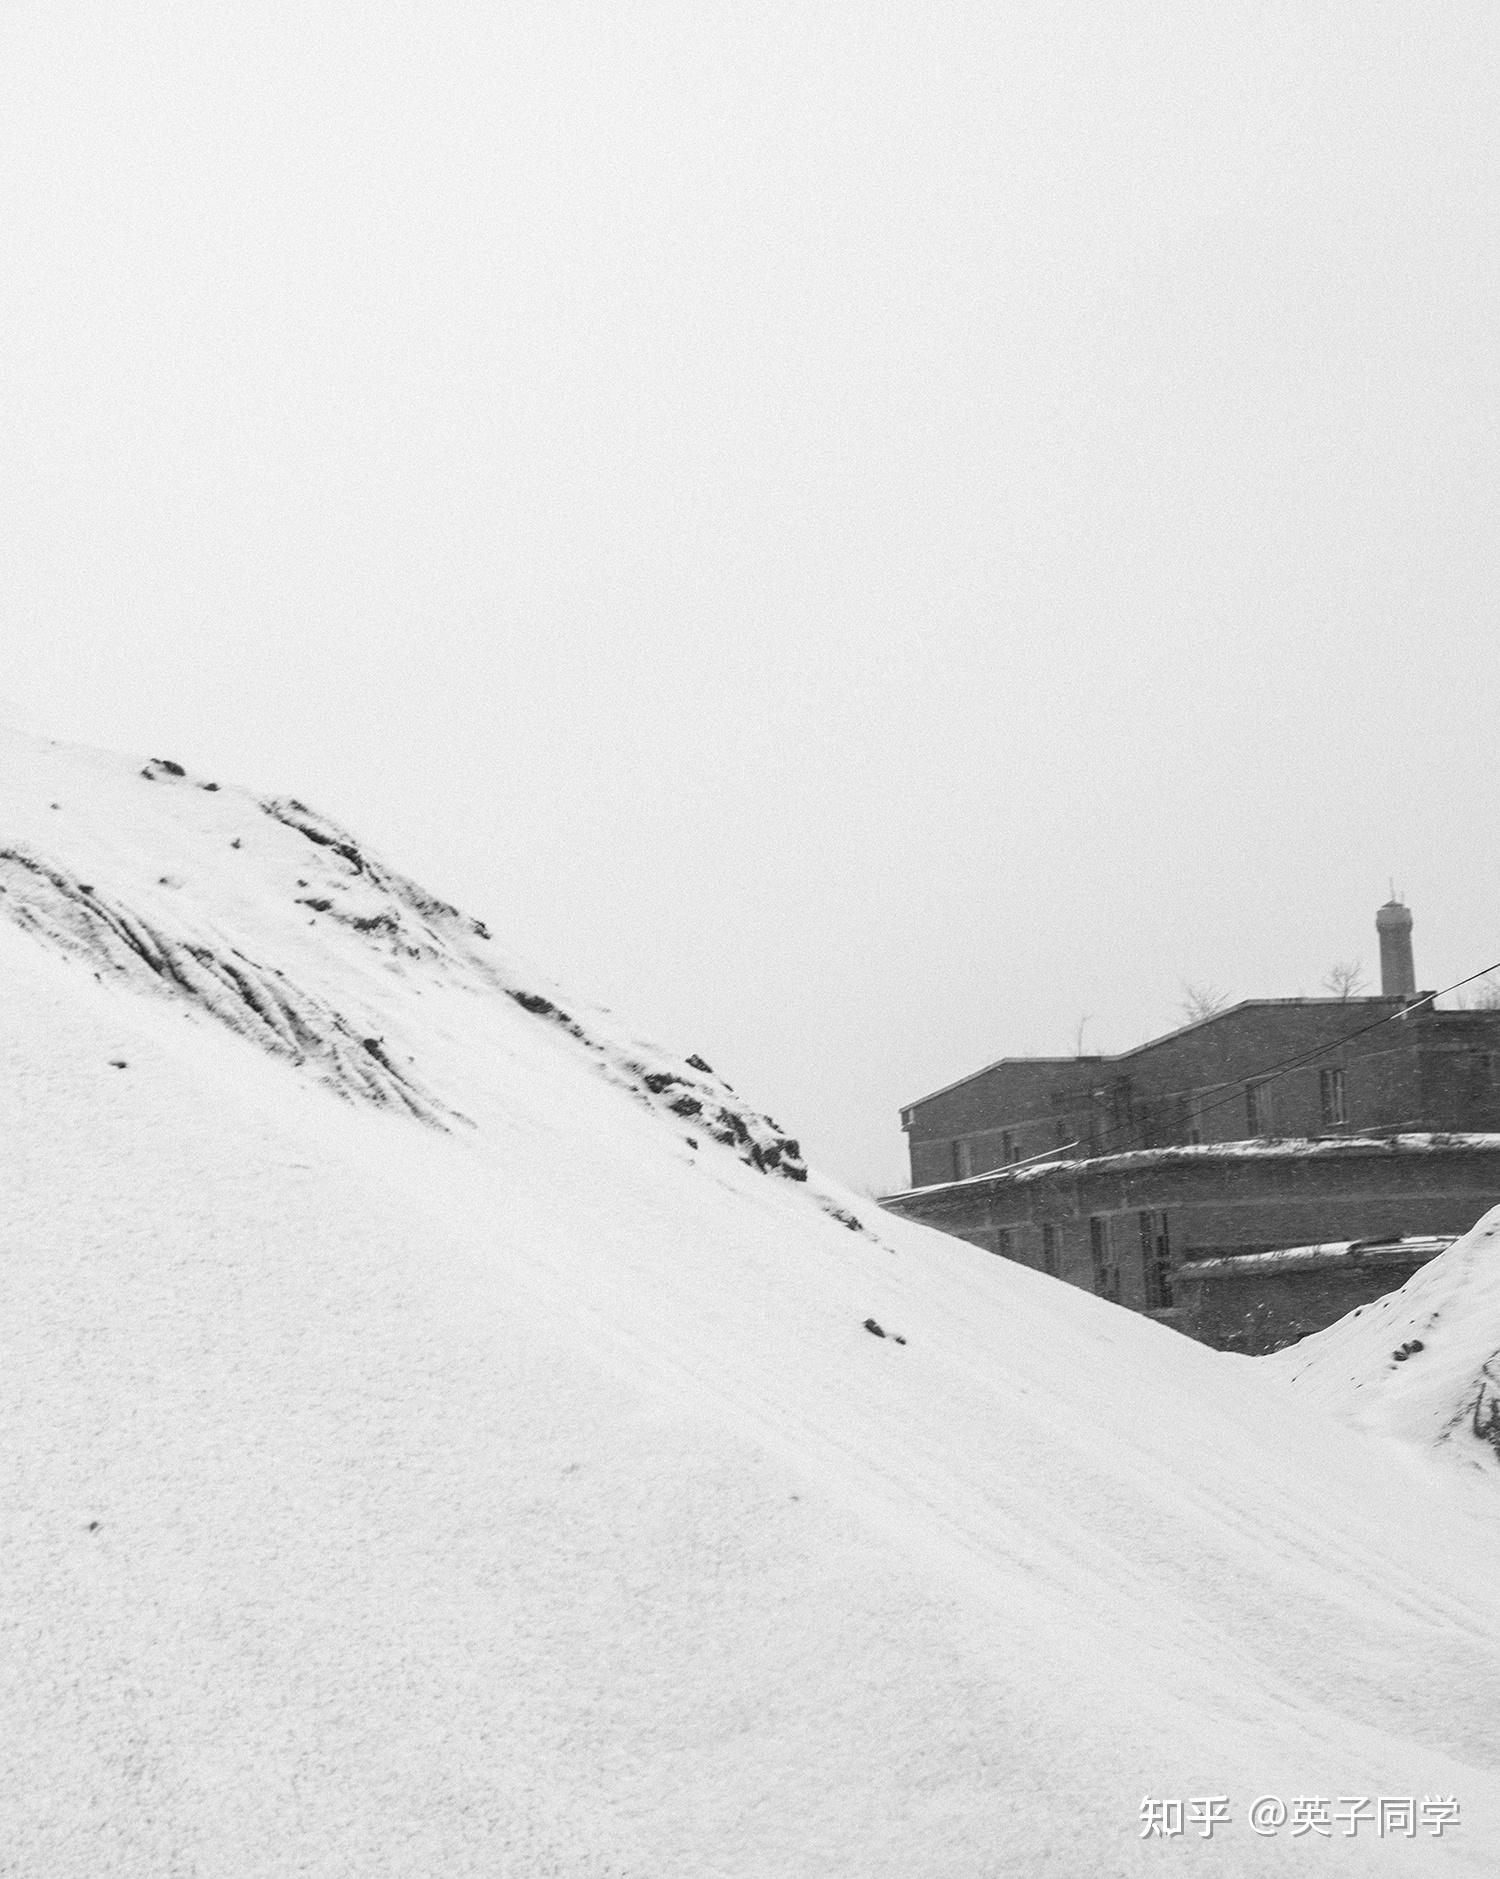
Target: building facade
[1278,1123]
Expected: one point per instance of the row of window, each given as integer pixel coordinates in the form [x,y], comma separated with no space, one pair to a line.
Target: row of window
[1332,1103]
[963,1155]
[1333,1106]
[1104,1255]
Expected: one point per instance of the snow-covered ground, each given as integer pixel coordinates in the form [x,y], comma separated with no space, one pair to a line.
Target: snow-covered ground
[1422,1364]
[437,1438]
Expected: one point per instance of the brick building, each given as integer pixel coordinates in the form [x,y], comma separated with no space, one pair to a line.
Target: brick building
[1278,1123]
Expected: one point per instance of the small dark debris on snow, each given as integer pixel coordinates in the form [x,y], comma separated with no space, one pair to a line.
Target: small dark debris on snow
[58,805]
[85,887]
[478,927]
[235,843]
[658,1080]
[93,1526]
[117,1063]
[898,1340]
[166,763]
[686,1106]
[1408,1349]
[873,1328]
[694,1063]
[208,786]
[692,1141]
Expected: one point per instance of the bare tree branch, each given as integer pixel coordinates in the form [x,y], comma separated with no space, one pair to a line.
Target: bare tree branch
[1346,979]
[1200,1001]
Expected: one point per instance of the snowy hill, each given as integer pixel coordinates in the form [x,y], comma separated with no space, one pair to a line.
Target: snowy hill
[1421,1364]
[269,918]
[437,1438]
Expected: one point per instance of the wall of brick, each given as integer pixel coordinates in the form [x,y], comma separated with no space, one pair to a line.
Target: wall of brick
[1017,1097]
[1215,1203]
[1422,1070]
[1271,1310]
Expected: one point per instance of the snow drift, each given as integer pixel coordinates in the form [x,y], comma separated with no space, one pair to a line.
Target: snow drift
[437,1438]
[1421,1364]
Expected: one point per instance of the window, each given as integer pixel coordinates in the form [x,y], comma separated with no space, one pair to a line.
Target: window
[1106,1267]
[1156,1261]
[1002,1242]
[1049,1250]
[1257,1109]
[1008,1150]
[1331,1096]
[962,1161]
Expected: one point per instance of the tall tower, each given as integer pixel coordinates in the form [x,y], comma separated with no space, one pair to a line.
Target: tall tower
[1398,974]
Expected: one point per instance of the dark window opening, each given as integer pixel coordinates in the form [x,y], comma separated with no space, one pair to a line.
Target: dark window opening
[1156,1261]
[1106,1265]
[1049,1250]
[1331,1098]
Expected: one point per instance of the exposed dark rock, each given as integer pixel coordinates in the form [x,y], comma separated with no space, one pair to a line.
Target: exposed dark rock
[534,1002]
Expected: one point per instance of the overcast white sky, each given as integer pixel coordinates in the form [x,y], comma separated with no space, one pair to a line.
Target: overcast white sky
[859,534]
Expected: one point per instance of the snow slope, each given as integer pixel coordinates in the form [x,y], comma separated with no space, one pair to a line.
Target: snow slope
[452,1459]
[1422,1364]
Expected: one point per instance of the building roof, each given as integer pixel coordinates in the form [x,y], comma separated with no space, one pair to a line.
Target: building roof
[1409,1249]
[1194,1024]
[1199,1153]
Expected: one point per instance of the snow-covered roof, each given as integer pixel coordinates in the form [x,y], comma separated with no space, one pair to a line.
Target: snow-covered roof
[1398,1251]
[1188,1154]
